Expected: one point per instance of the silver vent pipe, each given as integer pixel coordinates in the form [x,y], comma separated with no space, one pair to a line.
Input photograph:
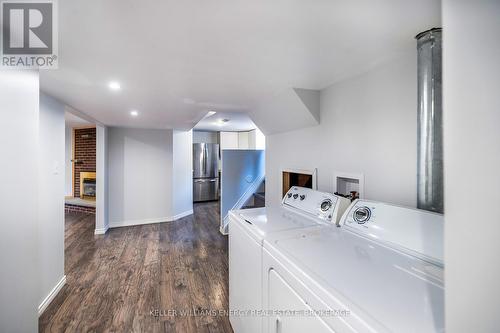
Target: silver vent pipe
[430,122]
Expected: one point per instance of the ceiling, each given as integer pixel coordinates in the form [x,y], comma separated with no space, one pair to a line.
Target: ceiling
[176,60]
[236,122]
[74,121]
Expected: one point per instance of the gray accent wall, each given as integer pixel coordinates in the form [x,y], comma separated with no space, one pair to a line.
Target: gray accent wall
[19,283]
[140,175]
[149,175]
[182,180]
[68,155]
[51,172]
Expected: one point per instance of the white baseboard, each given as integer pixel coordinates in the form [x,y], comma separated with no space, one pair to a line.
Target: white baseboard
[223,230]
[53,293]
[101,231]
[130,223]
[183,214]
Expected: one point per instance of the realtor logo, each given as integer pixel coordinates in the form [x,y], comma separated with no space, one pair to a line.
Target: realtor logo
[28,36]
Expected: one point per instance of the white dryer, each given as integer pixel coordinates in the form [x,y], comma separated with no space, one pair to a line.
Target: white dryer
[381,271]
[300,208]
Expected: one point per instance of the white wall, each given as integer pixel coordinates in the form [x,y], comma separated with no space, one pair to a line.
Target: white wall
[205,137]
[102,193]
[256,140]
[19,283]
[471,81]
[51,175]
[368,125]
[182,173]
[140,176]
[68,155]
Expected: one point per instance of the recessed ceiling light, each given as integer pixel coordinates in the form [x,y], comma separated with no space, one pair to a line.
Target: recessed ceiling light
[210,113]
[115,86]
[134,113]
[222,122]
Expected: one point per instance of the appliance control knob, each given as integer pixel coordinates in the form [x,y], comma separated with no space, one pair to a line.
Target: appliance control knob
[326,205]
[295,196]
[302,196]
[289,194]
[362,214]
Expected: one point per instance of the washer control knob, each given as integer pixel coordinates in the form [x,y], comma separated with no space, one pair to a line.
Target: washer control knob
[289,194]
[362,214]
[302,196]
[295,196]
[326,205]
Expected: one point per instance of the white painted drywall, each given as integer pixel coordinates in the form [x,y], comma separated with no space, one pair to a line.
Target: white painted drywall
[368,125]
[68,166]
[140,175]
[182,174]
[288,110]
[102,194]
[471,81]
[205,137]
[51,170]
[256,140]
[19,278]
[260,140]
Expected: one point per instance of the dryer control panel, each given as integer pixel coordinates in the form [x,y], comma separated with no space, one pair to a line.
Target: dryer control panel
[325,206]
[415,231]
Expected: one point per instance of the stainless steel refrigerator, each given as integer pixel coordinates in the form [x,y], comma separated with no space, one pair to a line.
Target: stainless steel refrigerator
[205,171]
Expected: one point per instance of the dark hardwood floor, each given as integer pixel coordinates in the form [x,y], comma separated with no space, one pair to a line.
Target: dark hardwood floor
[167,277]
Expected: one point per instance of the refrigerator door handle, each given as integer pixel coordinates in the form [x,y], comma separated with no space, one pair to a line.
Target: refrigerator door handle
[204,180]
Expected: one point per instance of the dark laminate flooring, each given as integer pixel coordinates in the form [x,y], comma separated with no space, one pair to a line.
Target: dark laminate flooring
[167,277]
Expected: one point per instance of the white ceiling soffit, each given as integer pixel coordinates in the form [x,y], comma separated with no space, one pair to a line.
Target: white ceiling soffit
[72,120]
[69,112]
[237,122]
[176,60]
[291,109]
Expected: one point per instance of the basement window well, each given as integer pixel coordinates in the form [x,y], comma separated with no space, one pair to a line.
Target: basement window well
[303,178]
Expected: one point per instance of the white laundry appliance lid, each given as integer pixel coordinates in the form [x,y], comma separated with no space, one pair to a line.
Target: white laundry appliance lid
[262,221]
[388,288]
[300,208]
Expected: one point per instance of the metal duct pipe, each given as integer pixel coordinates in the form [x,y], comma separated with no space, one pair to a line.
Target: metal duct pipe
[430,122]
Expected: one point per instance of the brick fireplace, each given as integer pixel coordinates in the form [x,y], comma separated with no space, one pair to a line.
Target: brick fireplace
[84,155]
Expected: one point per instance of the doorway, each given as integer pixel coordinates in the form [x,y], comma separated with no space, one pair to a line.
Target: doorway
[81,169]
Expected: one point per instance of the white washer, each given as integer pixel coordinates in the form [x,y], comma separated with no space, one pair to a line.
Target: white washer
[300,208]
[382,271]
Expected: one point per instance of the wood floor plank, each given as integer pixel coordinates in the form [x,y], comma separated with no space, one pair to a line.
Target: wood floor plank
[167,277]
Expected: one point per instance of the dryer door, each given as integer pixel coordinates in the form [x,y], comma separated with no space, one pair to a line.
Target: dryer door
[290,314]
